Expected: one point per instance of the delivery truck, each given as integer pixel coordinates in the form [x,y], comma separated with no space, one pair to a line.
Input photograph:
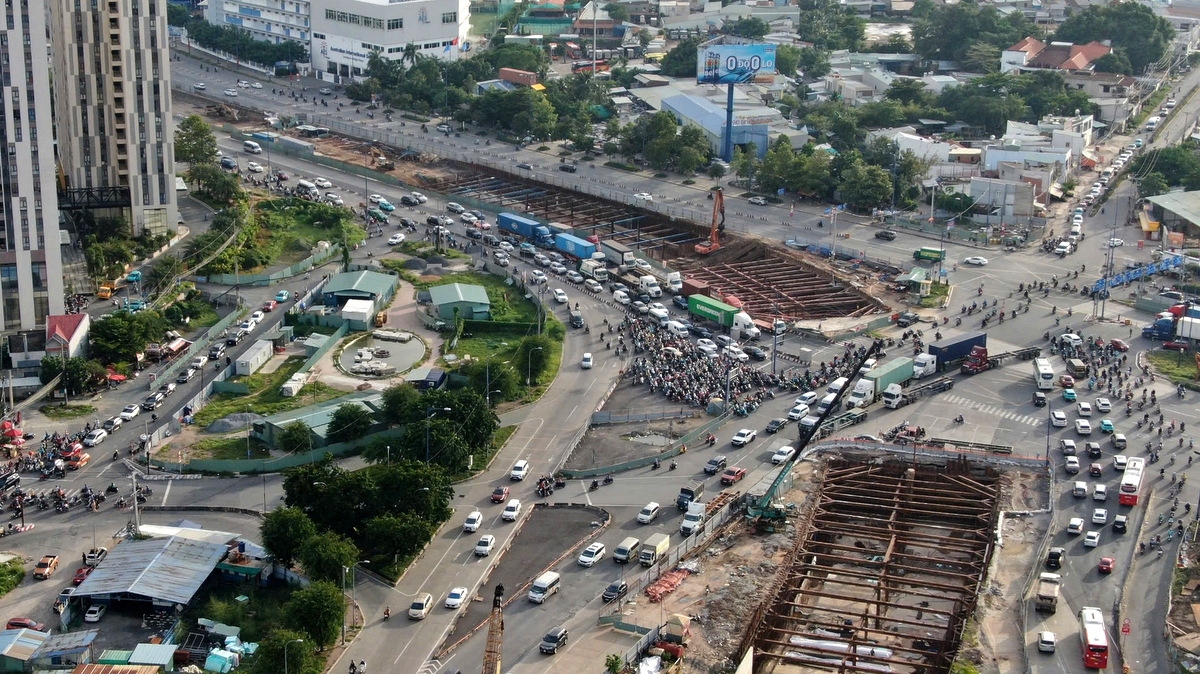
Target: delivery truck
[702,306]
[654,549]
[952,349]
[594,269]
[617,254]
[873,383]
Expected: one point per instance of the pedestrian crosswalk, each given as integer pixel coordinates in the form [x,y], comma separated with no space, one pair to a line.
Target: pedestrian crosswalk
[995,410]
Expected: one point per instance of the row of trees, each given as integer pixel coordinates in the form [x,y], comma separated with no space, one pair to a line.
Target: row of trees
[1160,170]
[234,40]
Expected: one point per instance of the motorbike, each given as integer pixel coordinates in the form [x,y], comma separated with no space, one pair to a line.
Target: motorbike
[608,479]
[655,465]
[387,613]
[594,486]
[672,466]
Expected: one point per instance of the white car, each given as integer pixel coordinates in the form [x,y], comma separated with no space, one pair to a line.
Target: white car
[322,183]
[471,524]
[1077,219]
[231,92]
[199,86]
[743,437]
[468,218]
[976,260]
[538,276]
[375,198]
[1091,539]
[420,197]
[783,454]
[1099,516]
[1116,243]
[621,297]
[642,265]
[591,554]
[1103,405]
[95,437]
[706,345]
[455,207]
[1085,409]
[1072,465]
[560,296]
[1083,427]
[735,352]
[1046,642]
[130,412]
[512,510]
[593,286]
[649,513]
[334,199]
[1120,461]
[94,613]
[557,268]
[1058,418]
[757,201]
[1100,492]
[586,362]
[505,246]
[256,85]
[519,470]
[254,167]
[396,239]
[257,316]
[574,276]
[643,196]
[484,547]
[456,597]
[807,398]
[798,412]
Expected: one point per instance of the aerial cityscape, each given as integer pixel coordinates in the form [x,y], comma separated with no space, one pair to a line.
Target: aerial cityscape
[456,336]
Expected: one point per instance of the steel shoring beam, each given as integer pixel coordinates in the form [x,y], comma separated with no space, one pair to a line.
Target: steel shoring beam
[957,536]
[935,493]
[972,569]
[919,516]
[863,581]
[886,641]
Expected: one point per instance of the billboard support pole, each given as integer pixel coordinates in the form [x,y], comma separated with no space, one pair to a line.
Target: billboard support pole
[728,146]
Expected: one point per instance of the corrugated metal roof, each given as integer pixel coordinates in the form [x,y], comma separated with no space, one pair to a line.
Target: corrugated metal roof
[21,644]
[189,533]
[115,669]
[166,569]
[66,643]
[162,655]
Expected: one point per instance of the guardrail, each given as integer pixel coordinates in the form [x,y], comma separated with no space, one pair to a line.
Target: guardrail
[966,444]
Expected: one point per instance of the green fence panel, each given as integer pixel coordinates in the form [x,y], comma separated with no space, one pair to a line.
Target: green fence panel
[274,464]
[329,344]
[235,387]
[200,346]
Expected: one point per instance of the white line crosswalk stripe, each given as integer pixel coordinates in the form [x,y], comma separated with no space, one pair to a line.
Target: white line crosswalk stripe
[992,410]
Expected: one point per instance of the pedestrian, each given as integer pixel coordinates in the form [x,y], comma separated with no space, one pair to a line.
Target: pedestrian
[353,668]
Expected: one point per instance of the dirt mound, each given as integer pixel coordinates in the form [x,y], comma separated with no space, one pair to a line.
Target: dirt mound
[233,422]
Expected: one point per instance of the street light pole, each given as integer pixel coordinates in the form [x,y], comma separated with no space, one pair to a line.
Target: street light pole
[529,365]
[430,412]
[344,570]
[285,658]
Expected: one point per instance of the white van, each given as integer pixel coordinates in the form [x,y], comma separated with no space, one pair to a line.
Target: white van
[676,328]
[660,316]
[544,586]
[825,403]
[252,147]
[837,385]
[308,188]
[626,550]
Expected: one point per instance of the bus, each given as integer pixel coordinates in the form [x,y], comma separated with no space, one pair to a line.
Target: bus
[1131,481]
[1043,374]
[1093,638]
[584,66]
[654,57]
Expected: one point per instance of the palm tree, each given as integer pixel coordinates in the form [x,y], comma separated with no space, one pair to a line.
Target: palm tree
[411,54]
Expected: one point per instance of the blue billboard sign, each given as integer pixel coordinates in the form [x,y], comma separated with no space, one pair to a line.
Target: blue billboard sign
[735,63]
[1137,273]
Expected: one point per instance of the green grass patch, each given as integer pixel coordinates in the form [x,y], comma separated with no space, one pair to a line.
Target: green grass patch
[261,613]
[508,302]
[689,181]
[207,317]
[229,447]
[415,117]
[12,573]
[264,397]
[1180,368]
[620,165]
[1150,107]
[481,461]
[938,292]
[57,411]
[426,250]
[302,331]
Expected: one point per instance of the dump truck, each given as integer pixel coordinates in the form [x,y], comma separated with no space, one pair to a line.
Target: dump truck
[952,349]
[654,549]
[895,396]
[1048,587]
[531,229]
[873,383]
[980,361]
[594,269]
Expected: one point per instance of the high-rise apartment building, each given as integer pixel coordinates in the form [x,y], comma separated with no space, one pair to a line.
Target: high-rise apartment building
[112,88]
[31,278]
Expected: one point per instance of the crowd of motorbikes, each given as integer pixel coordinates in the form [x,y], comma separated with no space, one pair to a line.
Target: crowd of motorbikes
[57,498]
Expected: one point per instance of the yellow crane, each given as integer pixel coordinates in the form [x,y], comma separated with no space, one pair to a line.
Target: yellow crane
[718,225]
[495,639]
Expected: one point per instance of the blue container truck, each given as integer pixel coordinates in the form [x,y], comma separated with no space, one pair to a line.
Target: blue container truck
[533,230]
[573,246]
[956,348]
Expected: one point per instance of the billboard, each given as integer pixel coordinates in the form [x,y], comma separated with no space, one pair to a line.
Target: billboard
[735,63]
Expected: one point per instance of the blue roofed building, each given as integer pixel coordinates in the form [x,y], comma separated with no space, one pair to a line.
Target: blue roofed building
[750,125]
[317,418]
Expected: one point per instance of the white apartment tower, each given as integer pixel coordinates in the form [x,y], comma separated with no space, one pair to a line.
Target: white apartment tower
[31,278]
[112,86]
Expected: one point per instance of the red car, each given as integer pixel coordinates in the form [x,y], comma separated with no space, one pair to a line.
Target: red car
[1118,345]
[269,305]
[1177,345]
[733,475]
[82,574]
[1106,565]
[1067,381]
[500,495]
[24,624]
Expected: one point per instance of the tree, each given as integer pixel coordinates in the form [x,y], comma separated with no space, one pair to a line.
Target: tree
[284,644]
[787,59]
[909,91]
[681,61]
[745,162]
[284,533]
[814,63]
[617,12]
[399,535]
[950,31]
[164,272]
[716,171]
[195,142]
[982,58]
[398,400]
[750,27]
[828,25]
[218,185]
[349,422]
[532,357]
[326,554]
[1153,185]
[491,375]
[318,611]
[1113,62]
[1134,30]
[79,376]
[121,336]
[865,187]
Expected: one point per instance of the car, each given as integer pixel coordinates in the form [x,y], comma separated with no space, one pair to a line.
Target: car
[1039,399]
[807,398]
[574,276]
[419,608]
[1075,526]
[232,93]
[643,196]
[615,590]
[775,424]
[1072,465]
[167,388]
[1099,516]
[554,640]
[519,470]
[706,345]
[257,316]
[255,167]
[975,260]
[322,183]
[505,246]
[1066,381]
[1106,565]
[715,464]
[1176,345]
[885,235]
[757,201]
[1054,557]
[680,302]
[1115,242]
[375,198]
[281,175]
[783,454]
[282,296]
[1120,461]
[586,362]
[593,286]
[500,494]
[1099,492]
[385,205]
[1083,409]
[526,167]
[735,352]
[556,268]
[1058,418]
[1106,426]
[456,597]
[468,218]
[111,424]
[269,305]
[512,510]
[592,554]
[1103,405]
[130,412]
[732,475]
[743,437]
[396,239]
[797,412]
[94,613]
[484,547]
[79,461]
[640,307]
[471,524]
[421,198]
[1046,642]
[95,437]
[81,574]
[1069,395]
[60,603]
[444,128]
[1082,427]
[455,207]
[538,276]
[199,86]
[473,233]
[1093,449]
[1091,539]
[540,260]
[1067,446]
[1118,345]
[407,200]
[24,624]
[1077,219]
[701,332]
[185,376]
[621,297]
[1120,523]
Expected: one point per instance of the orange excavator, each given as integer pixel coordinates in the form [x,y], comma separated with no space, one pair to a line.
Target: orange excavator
[718,225]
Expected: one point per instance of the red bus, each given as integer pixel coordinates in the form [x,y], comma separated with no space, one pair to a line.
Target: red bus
[1093,638]
[584,66]
[1131,481]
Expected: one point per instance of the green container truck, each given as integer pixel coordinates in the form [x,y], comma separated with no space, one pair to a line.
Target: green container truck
[707,308]
[929,254]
